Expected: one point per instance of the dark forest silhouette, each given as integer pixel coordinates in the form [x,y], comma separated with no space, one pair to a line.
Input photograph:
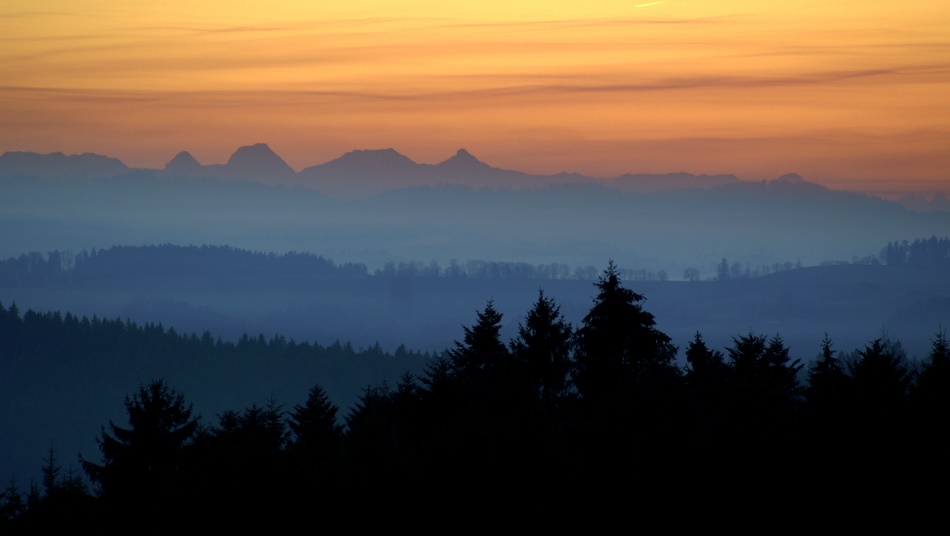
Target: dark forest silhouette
[557,410]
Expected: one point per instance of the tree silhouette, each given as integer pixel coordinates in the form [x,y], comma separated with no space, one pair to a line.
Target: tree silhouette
[244,463]
[707,379]
[930,398]
[632,401]
[826,389]
[481,350]
[932,389]
[317,435]
[372,441]
[544,347]
[618,347]
[880,382]
[141,467]
[765,399]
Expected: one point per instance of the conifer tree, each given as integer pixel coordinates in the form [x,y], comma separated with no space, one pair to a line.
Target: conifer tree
[632,401]
[141,469]
[706,378]
[618,348]
[314,424]
[544,348]
[317,434]
[481,350]
[827,384]
[932,389]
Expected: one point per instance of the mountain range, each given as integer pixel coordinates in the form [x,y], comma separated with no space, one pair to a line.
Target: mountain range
[354,174]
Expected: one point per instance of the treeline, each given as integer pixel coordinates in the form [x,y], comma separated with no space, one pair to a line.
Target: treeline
[557,411]
[167,260]
[921,253]
[170,261]
[222,262]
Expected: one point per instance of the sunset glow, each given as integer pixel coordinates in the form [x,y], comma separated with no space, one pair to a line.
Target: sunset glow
[849,94]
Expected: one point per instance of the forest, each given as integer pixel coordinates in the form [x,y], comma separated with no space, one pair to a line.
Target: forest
[555,411]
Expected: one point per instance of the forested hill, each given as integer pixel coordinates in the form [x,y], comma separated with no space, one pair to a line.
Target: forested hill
[61,376]
[900,286]
[165,261]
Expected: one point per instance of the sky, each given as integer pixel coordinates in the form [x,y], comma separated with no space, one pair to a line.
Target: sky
[849,94]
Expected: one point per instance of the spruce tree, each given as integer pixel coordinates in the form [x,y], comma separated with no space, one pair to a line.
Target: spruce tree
[141,469]
[544,348]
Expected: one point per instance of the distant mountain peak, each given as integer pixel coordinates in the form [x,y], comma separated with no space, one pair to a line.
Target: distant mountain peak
[257,152]
[463,160]
[258,161]
[183,161]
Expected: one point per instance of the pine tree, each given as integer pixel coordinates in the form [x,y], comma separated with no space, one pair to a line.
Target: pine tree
[481,350]
[706,377]
[544,348]
[930,397]
[632,401]
[932,389]
[317,435]
[141,467]
[618,348]
[12,505]
[827,384]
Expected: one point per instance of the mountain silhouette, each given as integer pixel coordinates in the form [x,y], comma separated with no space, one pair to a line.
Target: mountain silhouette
[365,172]
[258,162]
[183,165]
[462,162]
[368,172]
[59,165]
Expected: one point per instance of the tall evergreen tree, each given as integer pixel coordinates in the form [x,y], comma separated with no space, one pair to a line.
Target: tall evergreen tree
[702,362]
[141,469]
[372,440]
[241,464]
[632,402]
[765,395]
[482,350]
[544,348]
[878,422]
[316,432]
[881,379]
[932,389]
[826,387]
[706,377]
[930,398]
[12,505]
[618,345]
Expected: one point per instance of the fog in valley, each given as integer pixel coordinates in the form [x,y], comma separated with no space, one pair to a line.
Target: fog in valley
[379,264]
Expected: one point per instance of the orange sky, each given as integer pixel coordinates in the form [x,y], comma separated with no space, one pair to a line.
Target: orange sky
[851,94]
